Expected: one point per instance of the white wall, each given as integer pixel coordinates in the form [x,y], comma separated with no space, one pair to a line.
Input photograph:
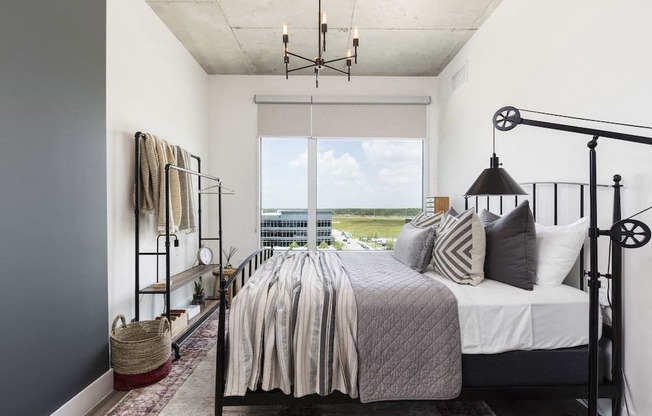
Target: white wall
[233,144]
[585,58]
[153,85]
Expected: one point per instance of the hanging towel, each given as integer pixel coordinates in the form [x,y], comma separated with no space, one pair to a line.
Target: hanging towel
[188,216]
[155,154]
[165,156]
[149,175]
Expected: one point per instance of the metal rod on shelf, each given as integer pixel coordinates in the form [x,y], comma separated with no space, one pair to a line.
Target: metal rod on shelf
[199,224]
[139,135]
[167,241]
[192,172]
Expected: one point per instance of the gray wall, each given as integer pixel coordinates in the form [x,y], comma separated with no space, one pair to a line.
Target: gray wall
[53,261]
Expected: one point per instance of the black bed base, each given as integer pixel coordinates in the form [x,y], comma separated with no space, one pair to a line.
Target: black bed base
[277,397]
[560,367]
[515,375]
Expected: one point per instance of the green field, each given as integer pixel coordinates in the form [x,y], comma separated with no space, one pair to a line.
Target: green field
[364,227]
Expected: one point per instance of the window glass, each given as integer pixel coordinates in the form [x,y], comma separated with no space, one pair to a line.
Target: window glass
[365,190]
[283,192]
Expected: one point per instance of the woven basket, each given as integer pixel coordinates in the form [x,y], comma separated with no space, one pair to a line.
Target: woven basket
[139,347]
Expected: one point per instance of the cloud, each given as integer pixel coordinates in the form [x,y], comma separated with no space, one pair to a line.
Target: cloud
[339,171]
[397,163]
[300,161]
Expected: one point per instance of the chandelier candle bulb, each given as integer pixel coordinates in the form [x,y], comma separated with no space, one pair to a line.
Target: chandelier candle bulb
[348,64]
[356,42]
[324,28]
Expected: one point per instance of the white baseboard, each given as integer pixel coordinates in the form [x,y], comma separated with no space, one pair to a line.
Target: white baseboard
[86,399]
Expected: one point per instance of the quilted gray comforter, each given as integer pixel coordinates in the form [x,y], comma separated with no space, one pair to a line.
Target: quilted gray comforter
[408,331]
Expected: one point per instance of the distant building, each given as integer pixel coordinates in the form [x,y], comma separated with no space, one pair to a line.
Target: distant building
[287,226]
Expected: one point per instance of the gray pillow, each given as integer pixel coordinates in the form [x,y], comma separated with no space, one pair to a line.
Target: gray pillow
[487,217]
[452,212]
[413,246]
[511,247]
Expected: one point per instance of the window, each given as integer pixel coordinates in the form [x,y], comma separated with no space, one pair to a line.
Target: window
[345,194]
[340,172]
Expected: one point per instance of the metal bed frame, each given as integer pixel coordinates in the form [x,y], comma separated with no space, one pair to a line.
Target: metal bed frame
[605,387]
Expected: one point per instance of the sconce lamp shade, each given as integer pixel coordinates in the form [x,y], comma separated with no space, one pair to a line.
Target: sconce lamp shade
[495,181]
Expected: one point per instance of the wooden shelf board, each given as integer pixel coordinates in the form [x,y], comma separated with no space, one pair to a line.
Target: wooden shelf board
[181,279]
[209,307]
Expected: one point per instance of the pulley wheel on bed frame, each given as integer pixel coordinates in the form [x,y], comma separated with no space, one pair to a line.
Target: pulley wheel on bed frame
[506,118]
[630,233]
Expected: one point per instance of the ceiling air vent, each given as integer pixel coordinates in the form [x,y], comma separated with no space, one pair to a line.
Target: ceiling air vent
[461,76]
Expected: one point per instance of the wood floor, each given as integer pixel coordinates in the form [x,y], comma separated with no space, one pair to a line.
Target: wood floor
[500,407]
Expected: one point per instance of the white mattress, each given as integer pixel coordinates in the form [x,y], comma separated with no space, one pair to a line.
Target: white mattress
[495,317]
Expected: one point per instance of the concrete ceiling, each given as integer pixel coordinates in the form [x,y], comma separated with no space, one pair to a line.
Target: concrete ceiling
[397,38]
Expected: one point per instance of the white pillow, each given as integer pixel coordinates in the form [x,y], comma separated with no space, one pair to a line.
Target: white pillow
[557,250]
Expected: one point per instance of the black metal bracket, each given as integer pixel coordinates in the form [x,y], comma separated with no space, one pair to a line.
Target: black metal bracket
[507,118]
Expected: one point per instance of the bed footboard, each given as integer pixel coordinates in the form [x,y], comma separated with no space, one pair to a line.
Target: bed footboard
[241,273]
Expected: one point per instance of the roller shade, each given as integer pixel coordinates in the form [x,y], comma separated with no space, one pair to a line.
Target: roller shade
[370,120]
[403,117]
[284,120]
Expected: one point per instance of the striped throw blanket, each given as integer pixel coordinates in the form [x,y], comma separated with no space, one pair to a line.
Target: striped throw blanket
[293,327]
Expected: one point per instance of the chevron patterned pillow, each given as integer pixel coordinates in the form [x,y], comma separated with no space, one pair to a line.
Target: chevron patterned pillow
[459,249]
[428,220]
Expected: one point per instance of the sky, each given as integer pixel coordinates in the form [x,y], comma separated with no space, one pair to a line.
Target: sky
[350,173]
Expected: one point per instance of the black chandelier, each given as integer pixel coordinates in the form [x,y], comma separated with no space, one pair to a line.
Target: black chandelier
[319,62]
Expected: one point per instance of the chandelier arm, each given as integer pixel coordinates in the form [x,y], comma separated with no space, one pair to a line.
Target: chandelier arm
[337,59]
[301,67]
[335,69]
[300,57]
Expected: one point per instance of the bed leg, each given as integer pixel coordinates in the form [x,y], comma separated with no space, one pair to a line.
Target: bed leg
[221,350]
[175,348]
[616,406]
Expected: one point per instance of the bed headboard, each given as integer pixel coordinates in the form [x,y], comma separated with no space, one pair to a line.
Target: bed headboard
[552,203]
[540,192]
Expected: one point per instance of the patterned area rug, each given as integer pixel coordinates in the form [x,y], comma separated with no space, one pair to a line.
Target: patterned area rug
[189,390]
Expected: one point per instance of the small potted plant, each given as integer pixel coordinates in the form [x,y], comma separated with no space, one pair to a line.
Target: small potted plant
[199,295]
